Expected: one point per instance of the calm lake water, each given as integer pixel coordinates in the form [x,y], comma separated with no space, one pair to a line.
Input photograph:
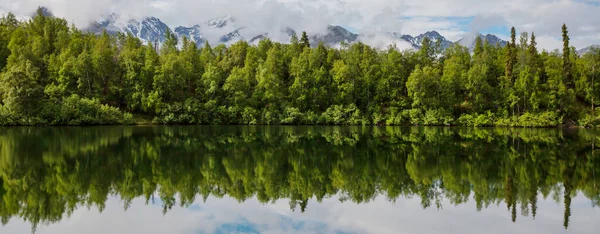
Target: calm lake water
[254,179]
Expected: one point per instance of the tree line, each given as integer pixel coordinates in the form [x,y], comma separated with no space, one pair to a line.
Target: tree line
[56,74]
[47,173]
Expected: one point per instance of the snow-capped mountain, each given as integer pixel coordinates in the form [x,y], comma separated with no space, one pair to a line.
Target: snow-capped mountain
[193,33]
[469,40]
[434,36]
[333,36]
[225,28]
[220,22]
[150,29]
[585,50]
[228,30]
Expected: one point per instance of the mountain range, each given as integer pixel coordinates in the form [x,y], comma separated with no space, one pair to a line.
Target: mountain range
[587,49]
[228,30]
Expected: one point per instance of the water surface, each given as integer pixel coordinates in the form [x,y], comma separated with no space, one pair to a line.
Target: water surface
[251,179]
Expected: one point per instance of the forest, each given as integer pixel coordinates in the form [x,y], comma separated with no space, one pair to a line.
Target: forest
[48,173]
[55,74]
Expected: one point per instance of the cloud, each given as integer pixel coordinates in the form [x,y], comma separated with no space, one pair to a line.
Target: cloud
[452,18]
[483,21]
[380,216]
[382,41]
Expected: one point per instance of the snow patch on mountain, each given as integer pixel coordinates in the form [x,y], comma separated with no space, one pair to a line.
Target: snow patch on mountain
[469,40]
[149,29]
[585,50]
[228,30]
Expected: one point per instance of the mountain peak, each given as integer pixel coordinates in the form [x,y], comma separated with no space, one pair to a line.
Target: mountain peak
[335,35]
[226,29]
[432,33]
[585,50]
[220,22]
[470,39]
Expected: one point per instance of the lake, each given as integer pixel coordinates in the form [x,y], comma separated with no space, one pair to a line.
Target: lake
[270,179]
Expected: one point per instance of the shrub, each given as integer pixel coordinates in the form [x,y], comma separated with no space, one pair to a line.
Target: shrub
[312,118]
[249,116]
[433,117]
[83,111]
[270,116]
[339,115]
[379,119]
[544,119]
[590,120]
[396,117]
[477,120]
[7,117]
[292,115]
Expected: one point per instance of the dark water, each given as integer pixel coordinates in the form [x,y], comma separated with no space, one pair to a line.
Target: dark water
[193,179]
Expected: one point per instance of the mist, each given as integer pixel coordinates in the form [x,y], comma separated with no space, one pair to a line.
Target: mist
[258,15]
[544,17]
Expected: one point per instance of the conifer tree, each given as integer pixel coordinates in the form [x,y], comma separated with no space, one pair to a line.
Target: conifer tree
[478,46]
[304,40]
[294,39]
[567,72]
[8,24]
[532,50]
[511,56]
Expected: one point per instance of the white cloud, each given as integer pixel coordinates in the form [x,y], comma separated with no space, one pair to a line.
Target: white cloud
[378,216]
[542,16]
[382,41]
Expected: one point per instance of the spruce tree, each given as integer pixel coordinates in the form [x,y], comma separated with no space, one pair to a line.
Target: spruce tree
[567,73]
[427,52]
[510,61]
[294,39]
[534,57]
[478,46]
[8,24]
[510,55]
[532,50]
[304,40]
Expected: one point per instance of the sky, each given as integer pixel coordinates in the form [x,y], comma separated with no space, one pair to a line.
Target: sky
[453,19]
[379,216]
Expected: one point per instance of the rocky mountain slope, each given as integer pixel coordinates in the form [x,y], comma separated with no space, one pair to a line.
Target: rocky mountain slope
[227,30]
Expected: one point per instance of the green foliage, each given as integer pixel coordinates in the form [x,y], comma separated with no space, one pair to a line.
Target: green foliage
[293,116]
[7,118]
[432,117]
[477,120]
[543,119]
[339,115]
[590,120]
[304,40]
[70,168]
[568,73]
[18,84]
[43,63]
[82,111]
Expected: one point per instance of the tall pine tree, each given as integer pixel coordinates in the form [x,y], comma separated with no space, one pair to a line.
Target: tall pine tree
[304,40]
[567,72]
[511,56]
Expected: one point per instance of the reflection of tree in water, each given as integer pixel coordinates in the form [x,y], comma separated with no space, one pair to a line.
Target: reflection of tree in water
[47,173]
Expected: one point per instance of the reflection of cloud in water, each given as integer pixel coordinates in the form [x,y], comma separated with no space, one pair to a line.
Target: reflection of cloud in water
[227,215]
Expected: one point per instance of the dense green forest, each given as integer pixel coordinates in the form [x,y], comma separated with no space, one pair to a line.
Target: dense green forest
[56,74]
[47,173]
